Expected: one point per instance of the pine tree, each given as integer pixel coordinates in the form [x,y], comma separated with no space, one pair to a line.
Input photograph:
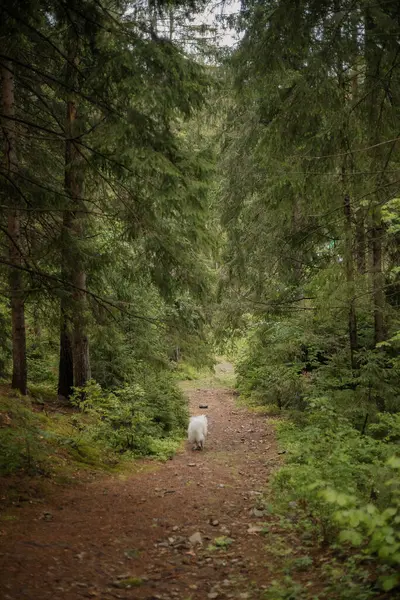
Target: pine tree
[104,102]
[310,89]
[10,170]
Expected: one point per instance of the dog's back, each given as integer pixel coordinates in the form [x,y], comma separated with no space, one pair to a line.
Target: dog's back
[197,430]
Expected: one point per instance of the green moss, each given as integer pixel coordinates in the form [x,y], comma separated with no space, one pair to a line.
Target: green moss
[221,542]
[128,582]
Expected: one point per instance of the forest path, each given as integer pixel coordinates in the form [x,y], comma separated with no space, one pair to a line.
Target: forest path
[93,539]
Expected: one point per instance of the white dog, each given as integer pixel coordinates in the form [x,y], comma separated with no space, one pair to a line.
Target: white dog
[197,431]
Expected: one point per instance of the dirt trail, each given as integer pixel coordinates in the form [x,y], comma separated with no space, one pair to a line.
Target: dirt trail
[88,539]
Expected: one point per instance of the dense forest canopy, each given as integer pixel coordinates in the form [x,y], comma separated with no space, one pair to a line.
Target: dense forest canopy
[164,197]
[108,231]
[104,188]
[310,183]
[309,279]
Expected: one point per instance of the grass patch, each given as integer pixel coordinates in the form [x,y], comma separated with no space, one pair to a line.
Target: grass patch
[165,449]
[128,583]
[220,543]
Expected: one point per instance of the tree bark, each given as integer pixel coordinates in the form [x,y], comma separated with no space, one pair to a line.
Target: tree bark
[66,367]
[372,77]
[361,244]
[16,289]
[81,341]
[352,317]
[74,345]
[378,280]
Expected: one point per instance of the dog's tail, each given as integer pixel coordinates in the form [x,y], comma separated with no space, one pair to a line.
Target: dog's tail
[195,436]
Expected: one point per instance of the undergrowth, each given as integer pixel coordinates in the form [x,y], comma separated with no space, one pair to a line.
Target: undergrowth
[338,493]
[99,429]
[133,420]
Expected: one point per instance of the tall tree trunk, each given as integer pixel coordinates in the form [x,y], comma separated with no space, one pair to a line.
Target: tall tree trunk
[73,345]
[361,244]
[66,365]
[373,56]
[378,281]
[81,341]
[19,376]
[352,318]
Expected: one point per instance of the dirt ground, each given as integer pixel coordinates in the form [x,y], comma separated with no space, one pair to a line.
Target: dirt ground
[151,535]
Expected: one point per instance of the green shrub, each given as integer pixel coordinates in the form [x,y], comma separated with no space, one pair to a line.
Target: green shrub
[327,451]
[41,370]
[340,485]
[376,530]
[387,428]
[20,438]
[133,418]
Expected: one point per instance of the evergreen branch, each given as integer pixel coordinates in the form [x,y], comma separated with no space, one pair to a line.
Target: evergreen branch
[109,15]
[339,208]
[376,87]
[62,136]
[84,16]
[62,84]
[77,140]
[41,99]
[278,304]
[66,284]
[58,192]
[43,37]
[56,134]
[342,306]
[278,174]
[90,130]
[13,242]
[378,189]
[117,163]
[58,210]
[306,156]
[111,186]
[383,171]
[16,188]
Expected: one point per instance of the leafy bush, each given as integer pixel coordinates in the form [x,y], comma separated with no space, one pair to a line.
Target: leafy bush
[376,530]
[341,484]
[20,437]
[387,428]
[269,367]
[41,369]
[134,418]
[327,449]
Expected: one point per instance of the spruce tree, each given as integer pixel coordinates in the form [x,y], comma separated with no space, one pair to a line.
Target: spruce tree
[104,101]
[312,137]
